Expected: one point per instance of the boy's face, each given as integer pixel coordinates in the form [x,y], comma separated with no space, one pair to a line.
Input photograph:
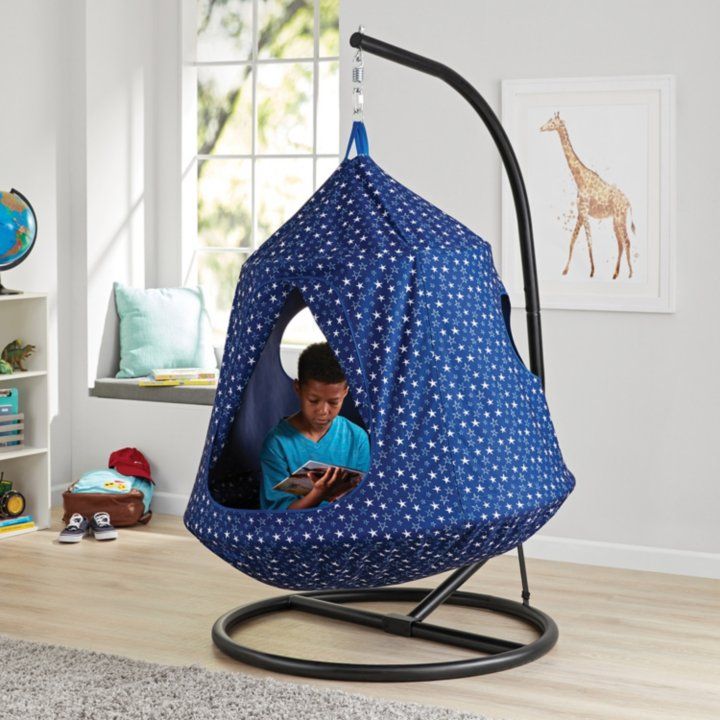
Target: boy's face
[320,402]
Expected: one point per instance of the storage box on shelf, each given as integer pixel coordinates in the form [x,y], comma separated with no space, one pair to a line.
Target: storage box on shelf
[12,436]
[24,317]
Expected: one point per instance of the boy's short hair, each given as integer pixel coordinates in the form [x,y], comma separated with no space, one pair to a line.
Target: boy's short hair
[318,362]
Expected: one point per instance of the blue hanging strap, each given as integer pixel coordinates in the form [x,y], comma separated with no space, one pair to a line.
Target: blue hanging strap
[358,135]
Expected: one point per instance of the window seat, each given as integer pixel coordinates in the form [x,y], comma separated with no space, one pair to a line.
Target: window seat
[108,386]
[113,388]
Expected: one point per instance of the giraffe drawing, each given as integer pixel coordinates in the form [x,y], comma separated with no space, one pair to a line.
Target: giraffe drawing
[595,198]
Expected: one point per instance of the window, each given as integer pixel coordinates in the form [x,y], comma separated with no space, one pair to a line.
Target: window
[267,131]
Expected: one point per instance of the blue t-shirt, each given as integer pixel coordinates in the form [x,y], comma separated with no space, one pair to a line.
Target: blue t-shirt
[285,449]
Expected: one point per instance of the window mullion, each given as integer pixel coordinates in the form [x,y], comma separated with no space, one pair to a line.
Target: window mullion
[269,156]
[221,250]
[259,61]
[316,85]
[254,68]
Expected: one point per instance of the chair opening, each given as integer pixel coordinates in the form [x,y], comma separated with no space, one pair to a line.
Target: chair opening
[234,481]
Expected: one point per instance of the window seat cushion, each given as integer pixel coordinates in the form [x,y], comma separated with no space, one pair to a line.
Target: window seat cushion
[130,390]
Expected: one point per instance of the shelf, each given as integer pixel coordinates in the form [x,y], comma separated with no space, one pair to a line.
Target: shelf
[22,296]
[25,451]
[12,377]
[25,317]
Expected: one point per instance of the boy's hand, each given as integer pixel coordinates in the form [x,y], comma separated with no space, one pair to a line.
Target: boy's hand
[333,483]
[349,481]
[328,485]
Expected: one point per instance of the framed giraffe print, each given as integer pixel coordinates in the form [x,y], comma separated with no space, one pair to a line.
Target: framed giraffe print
[597,156]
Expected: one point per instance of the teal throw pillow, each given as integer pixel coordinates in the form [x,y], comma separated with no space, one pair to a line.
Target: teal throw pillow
[162,328]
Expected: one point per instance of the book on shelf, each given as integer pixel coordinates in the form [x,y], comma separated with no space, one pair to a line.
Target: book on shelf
[184,374]
[23,531]
[15,520]
[20,529]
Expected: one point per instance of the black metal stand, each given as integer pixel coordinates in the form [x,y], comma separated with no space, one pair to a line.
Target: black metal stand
[499,654]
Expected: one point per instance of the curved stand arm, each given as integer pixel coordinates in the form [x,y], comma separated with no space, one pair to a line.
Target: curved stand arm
[522,208]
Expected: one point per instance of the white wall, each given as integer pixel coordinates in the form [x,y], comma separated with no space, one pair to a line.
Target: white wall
[34,154]
[97,147]
[635,397]
[129,183]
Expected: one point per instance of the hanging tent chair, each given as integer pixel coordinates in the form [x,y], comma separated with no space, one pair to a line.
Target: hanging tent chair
[465,463]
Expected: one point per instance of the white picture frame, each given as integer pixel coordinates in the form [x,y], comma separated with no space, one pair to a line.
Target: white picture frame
[596,154]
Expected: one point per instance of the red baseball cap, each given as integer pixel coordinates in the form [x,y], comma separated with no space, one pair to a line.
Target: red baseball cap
[130,461]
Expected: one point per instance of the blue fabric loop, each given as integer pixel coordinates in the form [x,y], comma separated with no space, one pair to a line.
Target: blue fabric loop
[358,135]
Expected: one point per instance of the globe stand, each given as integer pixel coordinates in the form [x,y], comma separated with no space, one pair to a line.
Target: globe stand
[8,291]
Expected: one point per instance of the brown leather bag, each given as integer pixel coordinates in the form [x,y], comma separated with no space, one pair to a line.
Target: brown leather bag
[124,510]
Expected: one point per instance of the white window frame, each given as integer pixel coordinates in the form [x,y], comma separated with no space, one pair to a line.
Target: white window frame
[190,247]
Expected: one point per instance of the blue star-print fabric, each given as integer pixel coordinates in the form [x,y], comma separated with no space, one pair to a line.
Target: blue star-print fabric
[465,460]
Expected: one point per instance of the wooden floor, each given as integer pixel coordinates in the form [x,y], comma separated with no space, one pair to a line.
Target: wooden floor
[632,645]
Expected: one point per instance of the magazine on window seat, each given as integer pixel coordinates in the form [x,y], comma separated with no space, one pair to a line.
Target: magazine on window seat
[301,481]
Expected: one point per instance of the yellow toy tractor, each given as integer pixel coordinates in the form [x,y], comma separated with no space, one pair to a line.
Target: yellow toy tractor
[12,503]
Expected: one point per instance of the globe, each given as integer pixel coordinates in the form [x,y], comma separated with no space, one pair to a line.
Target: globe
[18,230]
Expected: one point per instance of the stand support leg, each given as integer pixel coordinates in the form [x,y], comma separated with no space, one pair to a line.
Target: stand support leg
[443,591]
[523,575]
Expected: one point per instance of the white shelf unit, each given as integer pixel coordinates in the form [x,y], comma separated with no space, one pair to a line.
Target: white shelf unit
[25,317]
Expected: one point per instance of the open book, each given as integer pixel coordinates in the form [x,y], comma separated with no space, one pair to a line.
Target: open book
[301,481]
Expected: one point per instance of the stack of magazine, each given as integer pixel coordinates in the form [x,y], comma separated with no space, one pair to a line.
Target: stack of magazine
[172,377]
[16,526]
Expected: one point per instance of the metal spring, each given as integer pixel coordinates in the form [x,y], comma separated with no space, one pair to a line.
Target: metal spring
[358,74]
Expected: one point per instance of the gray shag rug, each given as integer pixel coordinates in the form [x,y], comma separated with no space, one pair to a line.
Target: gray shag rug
[48,682]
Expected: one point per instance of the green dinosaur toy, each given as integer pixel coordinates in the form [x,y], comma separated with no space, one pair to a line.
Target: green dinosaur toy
[15,352]
[5,367]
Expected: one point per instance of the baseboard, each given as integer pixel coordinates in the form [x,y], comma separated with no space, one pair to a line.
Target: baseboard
[628,557]
[167,503]
[545,547]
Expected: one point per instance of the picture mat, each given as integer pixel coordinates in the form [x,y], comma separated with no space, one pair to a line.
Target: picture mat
[604,118]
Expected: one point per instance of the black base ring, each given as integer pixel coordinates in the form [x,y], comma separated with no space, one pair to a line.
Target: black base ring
[504,660]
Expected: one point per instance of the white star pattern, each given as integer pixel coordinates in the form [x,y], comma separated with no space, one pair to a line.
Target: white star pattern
[465,462]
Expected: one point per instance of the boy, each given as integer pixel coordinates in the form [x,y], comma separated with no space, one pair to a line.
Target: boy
[317,433]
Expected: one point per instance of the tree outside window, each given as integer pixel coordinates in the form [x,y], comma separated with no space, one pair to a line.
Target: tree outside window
[267,131]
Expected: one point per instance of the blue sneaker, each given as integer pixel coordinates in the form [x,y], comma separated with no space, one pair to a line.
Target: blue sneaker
[76,529]
[101,528]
